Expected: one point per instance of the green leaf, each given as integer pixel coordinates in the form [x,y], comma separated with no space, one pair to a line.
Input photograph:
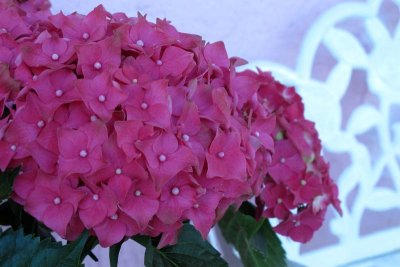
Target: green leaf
[87,250]
[255,241]
[114,252]
[19,250]
[190,250]
[6,183]
[54,254]
[141,239]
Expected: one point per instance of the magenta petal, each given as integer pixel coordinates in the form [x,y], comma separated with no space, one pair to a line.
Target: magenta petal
[93,215]
[58,217]
[106,237]
[141,209]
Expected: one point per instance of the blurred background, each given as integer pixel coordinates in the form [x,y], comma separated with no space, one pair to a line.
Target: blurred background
[343,56]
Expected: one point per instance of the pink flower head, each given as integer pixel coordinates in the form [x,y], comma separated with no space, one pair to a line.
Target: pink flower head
[49,51]
[214,104]
[101,95]
[88,28]
[287,164]
[175,62]
[135,71]
[120,222]
[177,196]
[7,154]
[56,87]
[261,131]
[129,133]
[53,202]
[245,86]
[169,232]
[141,202]
[166,157]
[306,188]
[278,200]
[11,23]
[80,150]
[150,105]
[215,55]
[114,228]
[202,213]
[124,127]
[99,203]
[7,50]
[300,227]
[9,87]
[225,159]
[96,58]
[28,121]
[23,185]
[143,36]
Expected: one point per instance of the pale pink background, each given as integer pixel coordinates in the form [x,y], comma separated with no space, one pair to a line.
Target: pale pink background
[255,30]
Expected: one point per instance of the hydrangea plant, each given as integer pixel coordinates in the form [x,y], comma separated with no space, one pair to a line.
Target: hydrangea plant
[114,128]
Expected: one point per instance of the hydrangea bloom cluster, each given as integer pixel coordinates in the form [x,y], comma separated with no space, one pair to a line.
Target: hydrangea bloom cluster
[124,127]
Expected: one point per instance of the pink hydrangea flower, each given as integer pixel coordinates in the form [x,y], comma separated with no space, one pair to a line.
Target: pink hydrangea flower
[96,58]
[225,159]
[80,150]
[123,127]
[166,157]
[53,202]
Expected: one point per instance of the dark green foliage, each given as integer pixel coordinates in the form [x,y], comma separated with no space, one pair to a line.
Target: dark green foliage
[255,241]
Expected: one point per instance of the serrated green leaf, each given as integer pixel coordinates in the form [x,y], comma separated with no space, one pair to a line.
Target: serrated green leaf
[6,183]
[16,249]
[255,241]
[190,250]
[19,250]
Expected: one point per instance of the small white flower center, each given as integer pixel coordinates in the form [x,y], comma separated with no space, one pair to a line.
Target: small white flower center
[34,77]
[97,65]
[221,154]
[283,160]
[118,171]
[3,30]
[114,217]
[95,197]
[297,224]
[102,98]
[83,153]
[57,200]
[40,124]
[257,133]
[85,35]
[13,147]
[279,200]
[138,193]
[185,137]
[93,118]
[196,206]
[140,43]
[303,182]
[159,62]
[175,191]
[162,158]
[59,92]
[134,80]
[144,106]
[55,56]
